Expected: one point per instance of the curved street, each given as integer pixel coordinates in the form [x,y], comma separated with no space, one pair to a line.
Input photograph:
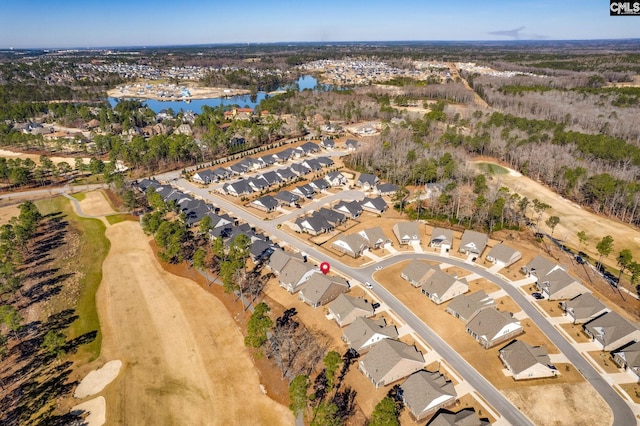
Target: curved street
[623,415]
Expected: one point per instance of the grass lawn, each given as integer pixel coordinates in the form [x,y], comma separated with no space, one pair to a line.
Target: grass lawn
[117,218]
[94,248]
[79,196]
[493,169]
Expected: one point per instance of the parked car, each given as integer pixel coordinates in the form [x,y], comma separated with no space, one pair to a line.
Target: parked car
[368,285]
[580,260]
[537,295]
[583,255]
[375,305]
[378,268]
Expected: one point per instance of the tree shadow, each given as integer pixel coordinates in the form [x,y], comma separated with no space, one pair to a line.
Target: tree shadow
[72,345]
[44,290]
[38,275]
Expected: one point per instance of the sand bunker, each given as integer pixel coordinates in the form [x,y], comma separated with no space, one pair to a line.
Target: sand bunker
[98,379]
[95,411]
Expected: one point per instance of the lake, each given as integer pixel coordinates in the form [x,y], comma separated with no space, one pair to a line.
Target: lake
[195,105]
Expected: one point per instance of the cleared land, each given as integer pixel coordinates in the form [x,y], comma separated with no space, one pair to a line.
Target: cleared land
[184,361]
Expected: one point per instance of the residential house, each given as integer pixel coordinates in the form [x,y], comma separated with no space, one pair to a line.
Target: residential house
[425,392]
[491,327]
[440,286]
[144,184]
[364,332]
[294,274]
[376,237]
[539,266]
[583,308]
[345,309]
[221,173]
[319,185]
[203,177]
[283,156]
[183,129]
[389,361]
[333,217]
[386,189]
[353,245]
[351,145]
[321,289]
[351,209]
[300,169]
[261,250]
[314,224]
[374,205]
[268,160]
[278,260]
[312,164]
[367,181]
[217,220]
[258,183]
[407,232]
[443,238]
[195,211]
[305,191]
[286,174]
[286,198]
[239,168]
[559,285]
[464,417]
[611,331]
[416,271]
[310,148]
[328,144]
[325,161]
[502,254]
[266,203]
[465,306]
[473,242]
[628,358]
[272,178]
[524,361]
[335,179]
[238,188]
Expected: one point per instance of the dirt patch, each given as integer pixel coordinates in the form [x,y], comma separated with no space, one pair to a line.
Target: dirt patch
[6,213]
[604,361]
[183,356]
[576,333]
[580,403]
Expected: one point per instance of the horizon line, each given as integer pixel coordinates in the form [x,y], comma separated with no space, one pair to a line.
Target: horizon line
[239,43]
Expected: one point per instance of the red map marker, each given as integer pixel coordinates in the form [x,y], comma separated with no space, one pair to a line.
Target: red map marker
[324,267]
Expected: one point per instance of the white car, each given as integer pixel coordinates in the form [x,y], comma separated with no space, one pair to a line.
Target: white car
[378,268]
[368,285]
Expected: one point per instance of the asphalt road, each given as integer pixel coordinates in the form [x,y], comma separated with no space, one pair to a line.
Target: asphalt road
[622,413]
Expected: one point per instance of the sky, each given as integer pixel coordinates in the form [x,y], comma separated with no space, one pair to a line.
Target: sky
[109,23]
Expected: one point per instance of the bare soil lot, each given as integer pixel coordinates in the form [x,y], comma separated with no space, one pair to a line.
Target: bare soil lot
[184,358]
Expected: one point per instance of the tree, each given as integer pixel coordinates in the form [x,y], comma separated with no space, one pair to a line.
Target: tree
[258,325]
[634,268]
[298,393]
[206,224]
[53,342]
[604,248]
[331,362]
[624,259]
[539,207]
[325,414]
[385,413]
[582,238]
[552,222]
[199,258]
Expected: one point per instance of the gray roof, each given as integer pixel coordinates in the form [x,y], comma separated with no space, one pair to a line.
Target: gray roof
[489,322]
[325,161]
[286,173]
[519,356]
[416,270]
[272,177]
[316,222]
[631,355]
[422,388]
[557,281]
[539,266]
[240,187]
[375,235]
[332,216]
[584,306]
[363,329]
[287,197]
[258,182]
[344,305]
[310,147]
[385,188]
[351,142]
[474,241]
[293,271]
[267,201]
[466,305]
[440,235]
[367,178]
[464,417]
[320,184]
[321,286]
[239,167]
[355,242]
[334,175]
[313,164]
[378,203]
[440,282]
[221,172]
[406,229]
[268,159]
[353,207]
[278,260]
[503,253]
[300,169]
[385,355]
[610,327]
[328,142]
